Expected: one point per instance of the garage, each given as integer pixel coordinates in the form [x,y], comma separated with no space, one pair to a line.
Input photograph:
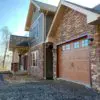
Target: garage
[73,61]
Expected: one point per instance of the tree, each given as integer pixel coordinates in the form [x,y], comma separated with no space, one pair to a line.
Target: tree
[5,34]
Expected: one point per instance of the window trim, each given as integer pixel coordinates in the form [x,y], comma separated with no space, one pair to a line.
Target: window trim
[35,53]
[67,47]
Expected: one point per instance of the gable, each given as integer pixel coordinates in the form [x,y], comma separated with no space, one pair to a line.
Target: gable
[90,14]
[39,6]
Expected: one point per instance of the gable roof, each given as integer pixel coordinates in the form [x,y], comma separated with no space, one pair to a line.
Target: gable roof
[40,7]
[14,40]
[91,13]
[23,43]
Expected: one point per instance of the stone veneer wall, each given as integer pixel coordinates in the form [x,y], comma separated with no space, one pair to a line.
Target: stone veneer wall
[72,25]
[37,71]
[95,60]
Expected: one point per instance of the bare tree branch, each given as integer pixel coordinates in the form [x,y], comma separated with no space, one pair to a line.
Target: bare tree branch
[5,34]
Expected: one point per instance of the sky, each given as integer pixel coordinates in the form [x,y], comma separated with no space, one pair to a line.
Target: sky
[13,13]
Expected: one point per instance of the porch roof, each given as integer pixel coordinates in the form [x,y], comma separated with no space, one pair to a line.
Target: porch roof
[17,41]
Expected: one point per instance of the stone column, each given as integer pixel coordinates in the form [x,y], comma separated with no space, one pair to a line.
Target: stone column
[96,64]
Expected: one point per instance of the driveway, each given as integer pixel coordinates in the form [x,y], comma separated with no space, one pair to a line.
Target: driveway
[47,90]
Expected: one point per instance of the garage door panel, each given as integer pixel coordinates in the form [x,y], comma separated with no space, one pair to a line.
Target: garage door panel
[73,64]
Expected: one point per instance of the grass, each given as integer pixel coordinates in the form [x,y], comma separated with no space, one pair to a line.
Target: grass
[3,69]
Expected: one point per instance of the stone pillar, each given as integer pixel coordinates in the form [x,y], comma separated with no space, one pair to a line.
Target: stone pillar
[96,60]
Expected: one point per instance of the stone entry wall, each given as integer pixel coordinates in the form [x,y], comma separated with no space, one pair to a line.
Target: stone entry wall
[95,60]
[36,71]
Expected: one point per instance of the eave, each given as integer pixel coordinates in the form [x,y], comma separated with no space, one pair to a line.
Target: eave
[29,17]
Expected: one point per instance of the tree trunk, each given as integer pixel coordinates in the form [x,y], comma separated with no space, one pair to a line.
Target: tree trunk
[4,58]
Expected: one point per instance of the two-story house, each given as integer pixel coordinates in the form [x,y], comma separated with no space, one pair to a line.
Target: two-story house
[65,43]
[39,19]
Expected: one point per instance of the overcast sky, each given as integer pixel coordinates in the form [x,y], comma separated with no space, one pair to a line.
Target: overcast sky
[13,13]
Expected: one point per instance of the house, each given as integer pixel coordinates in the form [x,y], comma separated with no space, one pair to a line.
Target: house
[19,47]
[64,42]
[39,19]
[75,34]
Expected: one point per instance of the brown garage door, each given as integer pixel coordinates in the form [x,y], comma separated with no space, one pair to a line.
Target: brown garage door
[73,61]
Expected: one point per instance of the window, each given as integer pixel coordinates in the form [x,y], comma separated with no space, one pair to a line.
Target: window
[34,58]
[63,48]
[36,30]
[76,45]
[68,47]
[85,43]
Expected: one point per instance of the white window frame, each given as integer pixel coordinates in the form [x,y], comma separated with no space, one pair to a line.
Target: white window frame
[35,53]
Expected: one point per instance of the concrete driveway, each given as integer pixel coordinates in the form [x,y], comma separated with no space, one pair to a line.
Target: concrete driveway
[47,90]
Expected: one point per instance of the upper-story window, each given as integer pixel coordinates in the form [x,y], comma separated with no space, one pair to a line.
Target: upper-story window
[36,30]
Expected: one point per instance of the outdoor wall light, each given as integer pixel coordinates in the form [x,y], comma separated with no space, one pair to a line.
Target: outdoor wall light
[91,39]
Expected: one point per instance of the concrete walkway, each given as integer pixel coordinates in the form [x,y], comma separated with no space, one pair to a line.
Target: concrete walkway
[47,90]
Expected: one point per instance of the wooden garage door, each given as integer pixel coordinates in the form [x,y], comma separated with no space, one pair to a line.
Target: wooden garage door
[73,61]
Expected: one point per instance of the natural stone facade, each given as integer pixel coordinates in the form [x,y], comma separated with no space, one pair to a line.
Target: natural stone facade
[95,60]
[37,71]
[72,25]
